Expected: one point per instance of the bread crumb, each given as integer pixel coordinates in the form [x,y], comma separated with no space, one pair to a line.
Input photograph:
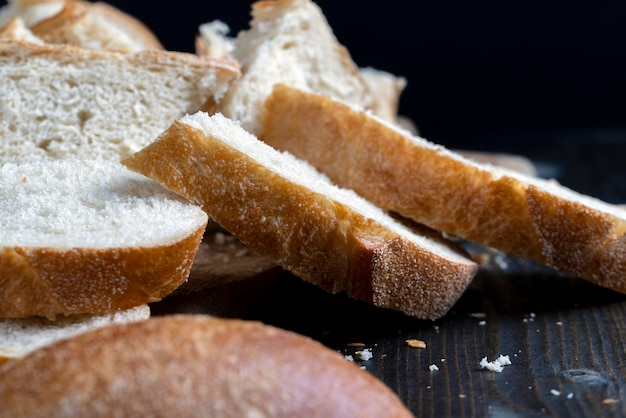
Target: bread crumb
[482,323]
[349,357]
[433,368]
[570,395]
[416,343]
[555,392]
[364,354]
[462,395]
[610,401]
[356,345]
[478,315]
[497,365]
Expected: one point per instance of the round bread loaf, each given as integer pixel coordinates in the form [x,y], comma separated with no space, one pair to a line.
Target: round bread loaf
[191,366]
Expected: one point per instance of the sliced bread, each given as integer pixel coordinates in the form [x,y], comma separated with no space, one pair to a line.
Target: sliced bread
[61,101]
[504,209]
[22,336]
[90,237]
[192,366]
[30,11]
[289,41]
[96,25]
[285,210]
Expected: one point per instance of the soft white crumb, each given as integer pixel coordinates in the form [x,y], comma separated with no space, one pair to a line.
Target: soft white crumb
[482,323]
[349,357]
[433,368]
[554,392]
[497,365]
[364,354]
[570,395]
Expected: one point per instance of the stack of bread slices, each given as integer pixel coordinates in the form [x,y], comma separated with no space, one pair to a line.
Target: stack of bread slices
[116,154]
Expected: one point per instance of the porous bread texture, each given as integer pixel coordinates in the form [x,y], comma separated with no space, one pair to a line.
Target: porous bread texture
[385,89]
[96,25]
[73,204]
[90,237]
[520,214]
[62,101]
[191,366]
[283,209]
[21,336]
[214,40]
[16,30]
[289,41]
[30,12]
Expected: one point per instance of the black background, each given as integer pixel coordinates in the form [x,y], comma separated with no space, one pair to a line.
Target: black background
[476,71]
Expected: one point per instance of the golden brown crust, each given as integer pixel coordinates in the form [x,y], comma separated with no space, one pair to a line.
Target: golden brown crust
[50,281]
[192,366]
[311,235]
[71,26]
[446,192]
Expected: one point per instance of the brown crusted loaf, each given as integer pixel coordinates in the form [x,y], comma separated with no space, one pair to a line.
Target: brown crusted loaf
[283,209]
[192,366]
[503,209]
[90,237]
[96,25]
[64,101]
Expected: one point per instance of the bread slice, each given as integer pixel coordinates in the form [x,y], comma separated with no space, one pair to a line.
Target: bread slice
[16,30]
[96,25]
[61,101]
[504,209]
[30,11]
[289,41]
[90,237]
[192,366]
[283,209]
[22,336]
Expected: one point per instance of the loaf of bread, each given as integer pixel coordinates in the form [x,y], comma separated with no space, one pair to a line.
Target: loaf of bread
[283,209]
[504,209]
[96,25]
[62,101]
[22,336]
[191,366]
[90,237]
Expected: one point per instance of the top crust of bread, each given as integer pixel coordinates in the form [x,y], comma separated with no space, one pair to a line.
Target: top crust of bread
[191,366]
[500,208]
[283,209]
[59,101]
[96,25]
[90,237]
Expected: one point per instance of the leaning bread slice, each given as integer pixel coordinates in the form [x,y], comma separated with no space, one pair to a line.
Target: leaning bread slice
[61,101]
[90,237]
[96,25]
[192,366]
[21,336]
[504,209]
[283,209]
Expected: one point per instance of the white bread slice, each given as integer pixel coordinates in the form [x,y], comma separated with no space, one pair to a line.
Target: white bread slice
[285,210]
[289,41]
[96,25]
[192,366]
[507,210]
[16,30]
[22,336]
[90,237]
[385,89]
[30,11]
[61,101]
